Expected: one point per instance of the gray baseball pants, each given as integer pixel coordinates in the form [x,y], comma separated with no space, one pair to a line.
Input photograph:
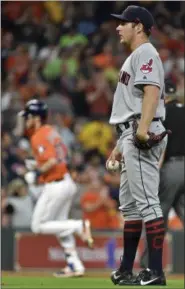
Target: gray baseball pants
[139,181]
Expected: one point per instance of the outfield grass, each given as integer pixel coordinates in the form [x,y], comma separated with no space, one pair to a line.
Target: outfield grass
[85,282]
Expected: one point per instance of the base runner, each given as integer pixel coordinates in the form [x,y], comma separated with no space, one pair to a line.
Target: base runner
[52,208]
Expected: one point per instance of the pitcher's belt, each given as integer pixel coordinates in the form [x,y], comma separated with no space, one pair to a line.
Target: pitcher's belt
[127,123]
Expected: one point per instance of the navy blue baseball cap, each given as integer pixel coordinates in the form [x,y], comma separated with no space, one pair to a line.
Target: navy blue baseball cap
[136,14]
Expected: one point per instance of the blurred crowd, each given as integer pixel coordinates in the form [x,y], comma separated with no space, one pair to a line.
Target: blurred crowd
[68,53]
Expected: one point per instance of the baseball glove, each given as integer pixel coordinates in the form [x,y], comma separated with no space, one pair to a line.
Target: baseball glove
[152,141]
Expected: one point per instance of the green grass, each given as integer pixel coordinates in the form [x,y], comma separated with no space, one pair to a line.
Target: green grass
[85,282]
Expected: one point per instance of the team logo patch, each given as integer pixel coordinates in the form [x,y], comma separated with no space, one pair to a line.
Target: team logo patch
[147,67]
[41,149]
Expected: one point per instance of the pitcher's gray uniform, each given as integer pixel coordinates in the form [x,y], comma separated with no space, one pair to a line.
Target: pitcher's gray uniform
[140,178]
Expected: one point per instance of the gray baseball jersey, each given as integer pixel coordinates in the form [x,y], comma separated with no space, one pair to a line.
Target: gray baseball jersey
[142,67]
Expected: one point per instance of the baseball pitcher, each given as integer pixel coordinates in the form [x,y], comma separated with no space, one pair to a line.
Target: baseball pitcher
[137,112]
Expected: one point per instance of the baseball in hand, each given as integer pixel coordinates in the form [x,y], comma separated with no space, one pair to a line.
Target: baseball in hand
[113,166]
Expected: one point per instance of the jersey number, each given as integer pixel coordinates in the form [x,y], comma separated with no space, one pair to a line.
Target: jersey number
[124,77]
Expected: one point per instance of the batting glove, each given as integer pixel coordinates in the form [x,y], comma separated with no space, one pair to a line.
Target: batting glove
[32,177]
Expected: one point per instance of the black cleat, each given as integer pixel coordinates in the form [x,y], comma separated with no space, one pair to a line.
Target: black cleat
[124,277]
[129,279]
[115,276]
[149,277]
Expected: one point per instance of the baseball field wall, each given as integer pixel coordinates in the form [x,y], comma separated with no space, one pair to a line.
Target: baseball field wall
[22,250]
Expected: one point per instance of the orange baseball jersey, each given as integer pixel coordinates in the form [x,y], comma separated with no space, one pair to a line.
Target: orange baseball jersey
[46,143]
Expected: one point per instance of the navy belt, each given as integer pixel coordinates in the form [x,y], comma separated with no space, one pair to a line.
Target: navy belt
[127,123]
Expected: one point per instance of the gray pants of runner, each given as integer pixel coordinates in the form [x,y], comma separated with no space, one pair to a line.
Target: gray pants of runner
[140,178]
[171,193]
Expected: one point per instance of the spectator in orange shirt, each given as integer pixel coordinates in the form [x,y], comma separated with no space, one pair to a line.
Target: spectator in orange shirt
[19,64]
[104,59]
[99,208]
[175,223]
[99,95]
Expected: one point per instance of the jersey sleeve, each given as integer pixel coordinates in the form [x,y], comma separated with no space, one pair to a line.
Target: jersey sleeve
[57,147]
[147,70]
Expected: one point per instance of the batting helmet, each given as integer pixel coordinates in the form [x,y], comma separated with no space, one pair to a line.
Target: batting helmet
[36,107]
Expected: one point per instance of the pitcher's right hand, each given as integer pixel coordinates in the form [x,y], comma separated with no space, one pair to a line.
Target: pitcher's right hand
[115,155]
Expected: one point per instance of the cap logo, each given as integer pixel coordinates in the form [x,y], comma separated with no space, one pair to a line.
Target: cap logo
[147,67]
